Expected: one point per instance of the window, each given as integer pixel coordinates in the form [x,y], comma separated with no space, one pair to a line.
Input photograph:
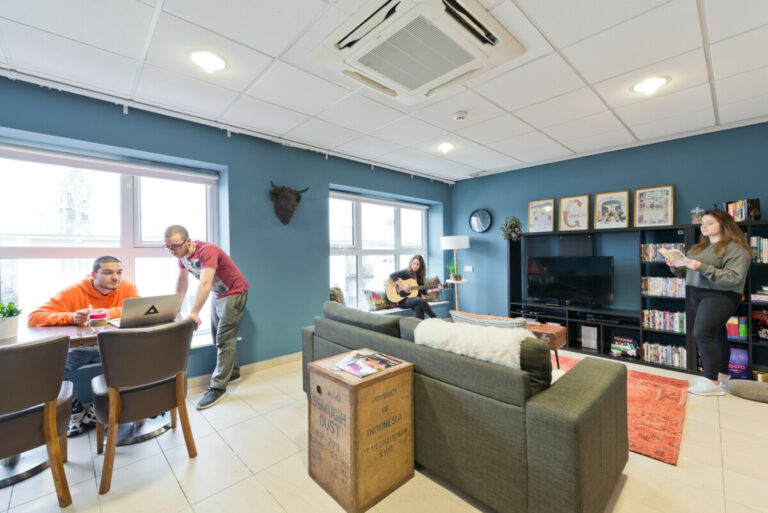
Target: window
[59,212]
[369,239]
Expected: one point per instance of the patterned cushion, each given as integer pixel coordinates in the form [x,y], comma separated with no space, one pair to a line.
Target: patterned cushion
[431,283]
[337,295]
[487,320]
[375,300]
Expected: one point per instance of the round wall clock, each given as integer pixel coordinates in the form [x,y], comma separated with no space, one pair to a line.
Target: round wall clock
[480,220]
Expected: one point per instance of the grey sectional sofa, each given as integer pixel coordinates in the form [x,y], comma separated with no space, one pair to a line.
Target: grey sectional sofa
[501,435]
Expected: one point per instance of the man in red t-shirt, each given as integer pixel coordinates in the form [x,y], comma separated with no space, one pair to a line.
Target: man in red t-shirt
[220,277]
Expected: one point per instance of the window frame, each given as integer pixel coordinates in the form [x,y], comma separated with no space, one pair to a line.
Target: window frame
[130,172]
[356,248]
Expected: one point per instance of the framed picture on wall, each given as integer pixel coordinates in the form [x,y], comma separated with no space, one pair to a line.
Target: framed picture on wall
[541,215]
[611,210]
[655,206]
[574,213]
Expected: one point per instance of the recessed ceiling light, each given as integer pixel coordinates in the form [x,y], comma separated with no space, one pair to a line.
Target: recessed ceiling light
[209,61]
[445,147]
[650,85]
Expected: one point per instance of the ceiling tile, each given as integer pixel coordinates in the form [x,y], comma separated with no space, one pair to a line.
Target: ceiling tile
[175,38]
[523,30]
[546,153]
[726,19]
[756,107]
[461,146]
[2,57]
[502,164]
[566,21]
[262,117]
[267,25]
[415,160]
[740,53]
[348,6]
[675,125]
[408,132]
[742,86]
[167,89]
[660,34]
[490,4]
[495,129]
[53,57]
[322,134]
[369,147]
[532,83]
[113,25]
[603,142]
[676,104]
[482,158]
[514,144]
[686,71]
[291,87]
[569,106]
[585,127]
[442,113]
[360,113]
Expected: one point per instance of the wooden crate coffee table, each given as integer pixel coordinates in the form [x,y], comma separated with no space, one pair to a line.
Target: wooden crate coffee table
[360,431]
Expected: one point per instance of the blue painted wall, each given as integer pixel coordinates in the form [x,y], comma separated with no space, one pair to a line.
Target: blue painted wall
[704,169]
[286,266]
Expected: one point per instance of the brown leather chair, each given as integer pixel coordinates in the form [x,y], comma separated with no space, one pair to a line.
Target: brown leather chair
[36,403]
[145,374]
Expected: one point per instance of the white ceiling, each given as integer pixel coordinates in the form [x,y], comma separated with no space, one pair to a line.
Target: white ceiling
[568,94]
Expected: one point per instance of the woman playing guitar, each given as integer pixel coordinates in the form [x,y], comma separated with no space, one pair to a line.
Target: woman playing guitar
[402,281]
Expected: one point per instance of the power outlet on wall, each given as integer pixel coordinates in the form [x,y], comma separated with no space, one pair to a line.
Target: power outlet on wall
[468,269]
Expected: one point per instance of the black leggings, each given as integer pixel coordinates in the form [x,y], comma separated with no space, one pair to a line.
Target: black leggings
[712,309]
[418,305]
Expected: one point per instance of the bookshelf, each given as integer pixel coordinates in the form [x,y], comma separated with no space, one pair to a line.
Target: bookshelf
[640,285]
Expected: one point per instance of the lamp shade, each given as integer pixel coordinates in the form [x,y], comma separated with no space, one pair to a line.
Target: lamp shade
[454,242]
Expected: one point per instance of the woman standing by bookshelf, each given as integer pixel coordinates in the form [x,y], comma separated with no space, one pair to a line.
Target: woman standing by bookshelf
[715,269]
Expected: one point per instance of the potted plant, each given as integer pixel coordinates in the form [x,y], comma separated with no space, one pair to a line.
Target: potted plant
[9,320]
[511,229]
[452,274]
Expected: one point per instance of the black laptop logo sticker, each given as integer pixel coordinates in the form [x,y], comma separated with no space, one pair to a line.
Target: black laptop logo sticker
[152,310]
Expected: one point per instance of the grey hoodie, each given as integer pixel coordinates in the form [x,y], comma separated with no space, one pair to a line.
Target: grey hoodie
[727,272]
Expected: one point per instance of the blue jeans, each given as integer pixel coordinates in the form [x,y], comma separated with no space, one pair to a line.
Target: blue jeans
[226,315]
[78,357]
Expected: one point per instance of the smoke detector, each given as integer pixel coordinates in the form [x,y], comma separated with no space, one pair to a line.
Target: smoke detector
[460,115]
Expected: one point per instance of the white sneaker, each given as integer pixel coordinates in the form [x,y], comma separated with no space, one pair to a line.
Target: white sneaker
[706,388]
[702,379]
[699,379]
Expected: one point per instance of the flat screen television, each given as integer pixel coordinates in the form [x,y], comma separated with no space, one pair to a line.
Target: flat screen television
[586,280]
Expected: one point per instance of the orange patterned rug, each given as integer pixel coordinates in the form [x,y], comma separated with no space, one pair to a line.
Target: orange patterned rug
[655,411]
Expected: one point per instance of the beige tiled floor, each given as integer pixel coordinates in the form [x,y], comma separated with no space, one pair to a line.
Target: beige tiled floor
[252,457]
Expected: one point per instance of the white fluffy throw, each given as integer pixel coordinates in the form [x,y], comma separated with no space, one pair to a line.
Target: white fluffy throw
[496,345]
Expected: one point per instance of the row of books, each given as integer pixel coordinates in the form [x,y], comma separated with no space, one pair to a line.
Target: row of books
[741,209]
[759,249]
[674,356]
[737,328]
[664,320]
[759,296]
[658,286]
[650,252]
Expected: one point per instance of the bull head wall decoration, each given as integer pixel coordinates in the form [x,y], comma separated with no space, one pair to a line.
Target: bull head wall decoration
[286,200]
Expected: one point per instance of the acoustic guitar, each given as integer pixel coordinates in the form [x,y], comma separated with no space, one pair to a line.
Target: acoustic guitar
[395,293]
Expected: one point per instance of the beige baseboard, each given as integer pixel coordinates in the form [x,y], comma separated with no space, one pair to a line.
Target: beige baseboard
[201,382]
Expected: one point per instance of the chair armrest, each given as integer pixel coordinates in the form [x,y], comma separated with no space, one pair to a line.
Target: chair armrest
[577,439]
[307,353]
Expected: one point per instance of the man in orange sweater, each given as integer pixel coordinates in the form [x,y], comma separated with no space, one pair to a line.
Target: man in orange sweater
[104,288]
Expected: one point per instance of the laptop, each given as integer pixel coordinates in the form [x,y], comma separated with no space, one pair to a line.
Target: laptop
[142,311]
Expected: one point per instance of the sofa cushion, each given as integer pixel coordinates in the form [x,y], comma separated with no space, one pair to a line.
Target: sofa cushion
[487,320]
[407,327]
[385,324]
[375,300]
[495,345]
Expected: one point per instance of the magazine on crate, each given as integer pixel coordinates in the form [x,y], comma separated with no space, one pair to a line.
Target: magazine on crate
[361,364]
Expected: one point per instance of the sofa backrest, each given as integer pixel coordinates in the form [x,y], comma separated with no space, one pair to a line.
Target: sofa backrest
[375,322]
[504,384]
[535,357]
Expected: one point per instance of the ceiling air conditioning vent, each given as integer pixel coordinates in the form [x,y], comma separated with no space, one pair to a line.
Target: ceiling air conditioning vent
[414,49]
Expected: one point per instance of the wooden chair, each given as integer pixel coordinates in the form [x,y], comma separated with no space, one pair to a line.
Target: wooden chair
[145,374]
[36,403]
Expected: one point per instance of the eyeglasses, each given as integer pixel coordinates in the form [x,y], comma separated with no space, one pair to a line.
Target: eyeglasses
[174,247]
